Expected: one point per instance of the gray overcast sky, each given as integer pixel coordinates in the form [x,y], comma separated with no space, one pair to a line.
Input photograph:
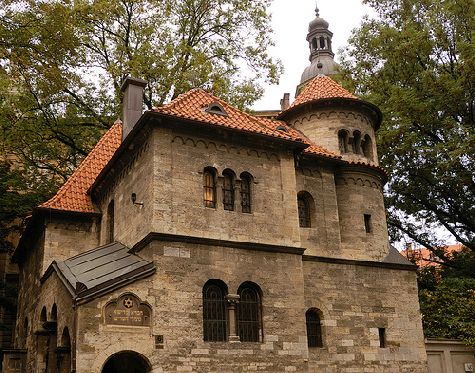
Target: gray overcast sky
[290,20]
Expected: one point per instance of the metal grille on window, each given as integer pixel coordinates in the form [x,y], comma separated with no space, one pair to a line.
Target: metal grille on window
[249,315]
[228,192]
[214,313]
[304,212]
[209,189]
[314,329]
[246,194]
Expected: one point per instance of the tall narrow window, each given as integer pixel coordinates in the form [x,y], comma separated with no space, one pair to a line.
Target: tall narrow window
[110,222]
[228,190]
[368,147]
[209,188]
[314,328]
[382,337]
[214,312]
[343,141]
[356,142]
[246,193]
[249,314]
[367,223]
[304,210]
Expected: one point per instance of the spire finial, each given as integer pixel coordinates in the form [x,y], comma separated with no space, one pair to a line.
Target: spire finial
[317,11]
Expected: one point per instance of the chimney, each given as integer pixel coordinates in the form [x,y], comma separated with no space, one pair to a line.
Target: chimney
[132,103]
[285,102]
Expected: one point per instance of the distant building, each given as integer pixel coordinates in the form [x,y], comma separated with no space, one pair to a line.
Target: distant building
[423,257]
[199,238]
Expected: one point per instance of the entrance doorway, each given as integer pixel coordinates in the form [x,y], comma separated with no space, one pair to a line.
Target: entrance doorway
[126,362]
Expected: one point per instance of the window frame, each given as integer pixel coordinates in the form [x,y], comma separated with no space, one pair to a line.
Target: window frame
[229,190]
[209,188]
[313,322]
[246,201]
[304,210]
[249,314]
[215,329]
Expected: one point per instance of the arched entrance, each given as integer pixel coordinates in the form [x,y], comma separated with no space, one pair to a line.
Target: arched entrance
[126,362]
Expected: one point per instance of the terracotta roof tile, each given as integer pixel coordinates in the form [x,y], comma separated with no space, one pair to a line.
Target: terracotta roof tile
[192,106]
[72,196]
[321,87]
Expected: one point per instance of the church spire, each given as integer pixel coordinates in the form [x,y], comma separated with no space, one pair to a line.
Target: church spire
[319,39]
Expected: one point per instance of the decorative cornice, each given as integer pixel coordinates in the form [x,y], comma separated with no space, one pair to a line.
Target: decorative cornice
[253,246]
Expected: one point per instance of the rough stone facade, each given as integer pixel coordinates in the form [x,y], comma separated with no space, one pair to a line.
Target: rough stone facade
[304,280]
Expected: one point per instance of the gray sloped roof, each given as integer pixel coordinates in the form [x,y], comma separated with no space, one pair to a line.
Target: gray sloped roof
[101,270]
[395,257]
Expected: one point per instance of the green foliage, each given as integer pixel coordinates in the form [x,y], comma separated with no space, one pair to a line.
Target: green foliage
[62,64]
[449,310]
[416,61]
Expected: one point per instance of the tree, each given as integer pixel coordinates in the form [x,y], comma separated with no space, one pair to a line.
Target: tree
[62,64]
[416,61]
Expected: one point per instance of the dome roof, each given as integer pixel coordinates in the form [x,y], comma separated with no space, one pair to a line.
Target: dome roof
[318,23]
[324,65]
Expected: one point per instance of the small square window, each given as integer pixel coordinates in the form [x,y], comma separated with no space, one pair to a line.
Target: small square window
[367,223]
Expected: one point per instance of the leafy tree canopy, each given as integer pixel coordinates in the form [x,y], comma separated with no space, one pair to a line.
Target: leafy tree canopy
[62,64]
[416,61]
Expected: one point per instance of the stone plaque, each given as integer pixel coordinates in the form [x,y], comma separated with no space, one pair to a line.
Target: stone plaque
[128,310]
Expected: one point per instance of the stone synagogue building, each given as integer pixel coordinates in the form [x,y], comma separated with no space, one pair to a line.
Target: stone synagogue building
[199,238]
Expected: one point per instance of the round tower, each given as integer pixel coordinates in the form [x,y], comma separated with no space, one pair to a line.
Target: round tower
[334,118]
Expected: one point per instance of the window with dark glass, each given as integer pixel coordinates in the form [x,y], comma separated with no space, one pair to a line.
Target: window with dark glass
[209,188]
[382,337]
[304,211]
[249,320]
[314,328]
[228,191]
[214,312]
[110,222]
[246,193]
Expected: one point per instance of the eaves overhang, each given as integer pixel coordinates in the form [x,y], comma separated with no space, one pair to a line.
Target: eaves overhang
[372,110]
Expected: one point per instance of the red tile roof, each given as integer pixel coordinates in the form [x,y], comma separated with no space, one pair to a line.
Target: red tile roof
[425,258]
[321,87]
[72,196]
[192,106]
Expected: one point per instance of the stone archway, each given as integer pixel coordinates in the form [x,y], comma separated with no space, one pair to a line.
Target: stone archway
[126,362]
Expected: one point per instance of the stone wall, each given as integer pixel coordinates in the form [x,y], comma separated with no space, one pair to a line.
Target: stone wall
[360,194]
[355,301]
[175,294]
[322,126]
[65,237]
[179,162]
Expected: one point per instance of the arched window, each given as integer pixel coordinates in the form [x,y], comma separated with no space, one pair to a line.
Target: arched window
[209,187]
[246,192]
[249,317]
[314,328]
[65,338]
[343,141]
[43,314]
[356,142]
[304,210]
[110,222]
[54,313]
[368,147]
[214,311]
[228,190]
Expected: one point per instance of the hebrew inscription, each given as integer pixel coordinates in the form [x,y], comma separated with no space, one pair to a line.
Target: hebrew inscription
[128,310]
